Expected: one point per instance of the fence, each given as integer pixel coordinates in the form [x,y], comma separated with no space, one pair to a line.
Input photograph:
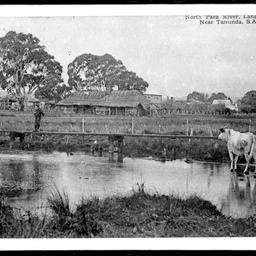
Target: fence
[142,125]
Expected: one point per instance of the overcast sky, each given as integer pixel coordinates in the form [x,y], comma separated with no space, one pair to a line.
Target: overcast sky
[174,55]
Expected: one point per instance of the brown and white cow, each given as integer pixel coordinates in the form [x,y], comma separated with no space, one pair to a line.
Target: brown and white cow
[239,144]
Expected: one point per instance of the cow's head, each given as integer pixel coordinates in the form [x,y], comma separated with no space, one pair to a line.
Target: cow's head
[225,133]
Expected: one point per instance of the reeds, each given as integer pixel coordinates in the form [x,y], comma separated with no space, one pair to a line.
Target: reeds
[140,214]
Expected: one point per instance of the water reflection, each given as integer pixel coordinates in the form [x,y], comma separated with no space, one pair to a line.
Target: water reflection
[34,176]
[241,196]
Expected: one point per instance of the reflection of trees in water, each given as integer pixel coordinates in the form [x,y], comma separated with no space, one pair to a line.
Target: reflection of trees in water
[36,167]
[241,195]
[14,171]
[216,168]
[20,172]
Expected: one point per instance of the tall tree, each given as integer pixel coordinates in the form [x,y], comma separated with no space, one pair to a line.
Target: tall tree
[217,96]
[196,96]
[25,65]
[248,102]
[91,72]
[54,90]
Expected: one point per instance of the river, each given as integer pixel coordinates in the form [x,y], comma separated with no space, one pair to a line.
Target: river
[83,176]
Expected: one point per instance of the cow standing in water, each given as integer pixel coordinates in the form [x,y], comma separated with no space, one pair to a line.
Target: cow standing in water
[239,144]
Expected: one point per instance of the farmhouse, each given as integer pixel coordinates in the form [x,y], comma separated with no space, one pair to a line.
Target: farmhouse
[8,102]
[124,103]
[226,103]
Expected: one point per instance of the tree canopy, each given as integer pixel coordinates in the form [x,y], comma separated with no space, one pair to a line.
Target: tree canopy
[248,102]
[217,96]
[54,90]
[204,97]
[197,96]
[92,72]
[25,65]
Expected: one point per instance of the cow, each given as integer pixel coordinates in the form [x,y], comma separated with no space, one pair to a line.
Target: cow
[239,144]
[13,135]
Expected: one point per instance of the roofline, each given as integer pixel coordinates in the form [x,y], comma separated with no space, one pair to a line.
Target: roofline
[100,105]
[152,94]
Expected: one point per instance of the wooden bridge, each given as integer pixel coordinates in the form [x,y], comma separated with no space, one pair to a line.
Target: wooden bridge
[108,134]
[115,140]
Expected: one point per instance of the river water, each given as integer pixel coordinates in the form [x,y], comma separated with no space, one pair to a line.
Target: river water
[82,176]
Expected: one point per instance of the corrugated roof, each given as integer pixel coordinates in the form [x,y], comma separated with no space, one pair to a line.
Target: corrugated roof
[83,98]
[127,98]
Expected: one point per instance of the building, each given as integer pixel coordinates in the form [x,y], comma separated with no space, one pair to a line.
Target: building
[155,99]
[9,102]
[130,102]
[226,103]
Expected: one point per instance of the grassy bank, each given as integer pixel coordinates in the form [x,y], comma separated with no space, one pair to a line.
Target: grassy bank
[206,150]
[137,215]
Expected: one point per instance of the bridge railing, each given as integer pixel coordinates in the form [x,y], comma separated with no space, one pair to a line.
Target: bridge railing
[6,132]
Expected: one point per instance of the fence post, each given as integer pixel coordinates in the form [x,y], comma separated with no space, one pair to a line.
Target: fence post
[210,131]
[250,123]
[159,128]
[107,128]
[187,127]
[83,124]
[100,150]
[111,149]
[120,150]
[132,125]
[191,133]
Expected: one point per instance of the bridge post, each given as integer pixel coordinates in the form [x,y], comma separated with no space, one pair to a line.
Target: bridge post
[119,139]
[100,151]
[120,150]
[111,148]
[92,149]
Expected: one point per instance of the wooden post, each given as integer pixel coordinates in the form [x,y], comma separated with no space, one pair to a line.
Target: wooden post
[107,128]
[191,133]
[210,131]
[164,154]
[187,127]
[23,126]
[92,149]
[250,124]
[83,124]
[120,144]
[132,125]
[100,151]
[111,149]
[159,128]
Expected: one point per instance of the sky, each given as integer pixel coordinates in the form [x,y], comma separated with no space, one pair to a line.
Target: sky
[175,55]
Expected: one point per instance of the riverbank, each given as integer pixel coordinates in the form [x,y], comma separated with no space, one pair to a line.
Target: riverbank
[139,214]
[202,150]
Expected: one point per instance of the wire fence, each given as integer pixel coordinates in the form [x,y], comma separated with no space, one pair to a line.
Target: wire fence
[92,124]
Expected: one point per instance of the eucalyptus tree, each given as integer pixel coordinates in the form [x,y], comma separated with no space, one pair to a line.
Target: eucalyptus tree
[92,72]
[248,102]
[25,65]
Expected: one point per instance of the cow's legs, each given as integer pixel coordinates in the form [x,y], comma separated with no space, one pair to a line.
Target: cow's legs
[236,159]
[247,157]
[254,159]
[231,161]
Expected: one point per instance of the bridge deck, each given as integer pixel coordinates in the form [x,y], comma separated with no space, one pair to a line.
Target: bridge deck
[121,134]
